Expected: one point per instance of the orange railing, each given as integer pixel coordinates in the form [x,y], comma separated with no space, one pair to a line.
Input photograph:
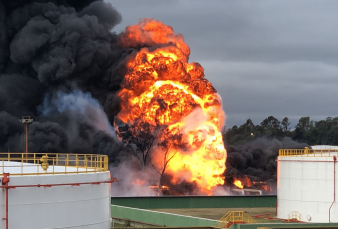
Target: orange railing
[308,152]
[51,163]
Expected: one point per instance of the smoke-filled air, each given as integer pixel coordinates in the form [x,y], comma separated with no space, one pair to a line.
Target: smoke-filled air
[133,96]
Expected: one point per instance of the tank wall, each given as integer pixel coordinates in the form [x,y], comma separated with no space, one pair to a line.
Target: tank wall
[85,206]
[306,185]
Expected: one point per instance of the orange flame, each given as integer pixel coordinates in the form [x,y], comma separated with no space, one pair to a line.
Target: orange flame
[155,187]
[162,88]
[139,182]
[248,181]
[238,183]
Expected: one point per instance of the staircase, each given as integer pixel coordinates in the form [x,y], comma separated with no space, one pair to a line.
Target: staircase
[234,217]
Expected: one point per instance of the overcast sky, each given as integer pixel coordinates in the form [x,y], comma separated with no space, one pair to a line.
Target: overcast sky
[264,57]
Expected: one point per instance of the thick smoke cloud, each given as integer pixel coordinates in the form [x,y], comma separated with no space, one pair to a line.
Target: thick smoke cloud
[53,136]
[257,159]
[60,64]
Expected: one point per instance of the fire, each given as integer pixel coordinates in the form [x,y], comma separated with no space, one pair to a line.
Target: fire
[247,181]
[163,90]
[266,188]
[139,182]
[155,187]
[238,183]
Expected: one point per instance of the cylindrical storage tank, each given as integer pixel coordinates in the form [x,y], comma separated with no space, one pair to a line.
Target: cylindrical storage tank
[307,185]
[73,192]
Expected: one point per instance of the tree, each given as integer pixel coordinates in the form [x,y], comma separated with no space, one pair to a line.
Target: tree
[304,124]
[171,141]
[140,137]
[272,127]
[304,131]
[270,122]
[285,124]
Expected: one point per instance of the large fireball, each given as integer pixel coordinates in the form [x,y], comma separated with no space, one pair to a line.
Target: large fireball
[162,89]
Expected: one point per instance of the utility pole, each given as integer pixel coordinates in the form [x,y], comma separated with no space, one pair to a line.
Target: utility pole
[26,120]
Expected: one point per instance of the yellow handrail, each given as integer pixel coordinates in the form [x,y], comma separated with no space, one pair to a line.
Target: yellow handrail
[294,216]
[58,163]
[308,152]
[234,217]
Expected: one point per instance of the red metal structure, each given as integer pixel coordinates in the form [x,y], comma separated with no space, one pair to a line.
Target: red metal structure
[334,185]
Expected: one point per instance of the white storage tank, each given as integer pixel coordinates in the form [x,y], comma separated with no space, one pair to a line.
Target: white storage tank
[54,191]
[307,184]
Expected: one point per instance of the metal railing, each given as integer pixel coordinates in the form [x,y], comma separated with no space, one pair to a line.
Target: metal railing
[51,163]
[308,152]
[294,216]
[234,217]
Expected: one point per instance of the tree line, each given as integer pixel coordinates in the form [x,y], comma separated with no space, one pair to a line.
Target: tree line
[323,132]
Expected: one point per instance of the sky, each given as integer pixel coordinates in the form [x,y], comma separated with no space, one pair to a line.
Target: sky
[263,57]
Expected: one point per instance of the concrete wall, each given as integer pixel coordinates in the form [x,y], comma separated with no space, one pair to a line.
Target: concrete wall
[164,202]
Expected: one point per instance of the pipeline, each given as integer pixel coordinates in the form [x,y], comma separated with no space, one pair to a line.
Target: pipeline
[334,186]
[4,182]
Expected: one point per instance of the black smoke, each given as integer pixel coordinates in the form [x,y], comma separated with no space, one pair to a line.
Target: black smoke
[257,160]
[61,64]
[50,49]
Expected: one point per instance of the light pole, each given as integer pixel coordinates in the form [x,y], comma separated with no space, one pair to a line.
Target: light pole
[26,120]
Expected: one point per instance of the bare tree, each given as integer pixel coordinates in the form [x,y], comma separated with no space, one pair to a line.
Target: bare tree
[171,139]
[140,137]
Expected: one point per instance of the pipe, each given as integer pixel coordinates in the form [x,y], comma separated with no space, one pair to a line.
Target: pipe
[6,207]
[4,182]
[26,141]
[334,186]
[276,206]
[112,180]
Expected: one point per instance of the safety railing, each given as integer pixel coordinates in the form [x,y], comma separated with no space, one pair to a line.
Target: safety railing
[294,216]
[51,163]
[308,152]
[234,217]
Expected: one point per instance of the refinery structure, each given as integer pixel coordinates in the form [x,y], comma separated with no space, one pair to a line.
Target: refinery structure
[50,190]
[306,198]
[54,191]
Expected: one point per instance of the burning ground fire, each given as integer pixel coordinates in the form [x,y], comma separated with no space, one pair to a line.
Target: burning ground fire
[179,106]
[238,183]
[245,182]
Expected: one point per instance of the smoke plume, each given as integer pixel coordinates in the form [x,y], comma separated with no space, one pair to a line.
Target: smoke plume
[60,64]
[257,159]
